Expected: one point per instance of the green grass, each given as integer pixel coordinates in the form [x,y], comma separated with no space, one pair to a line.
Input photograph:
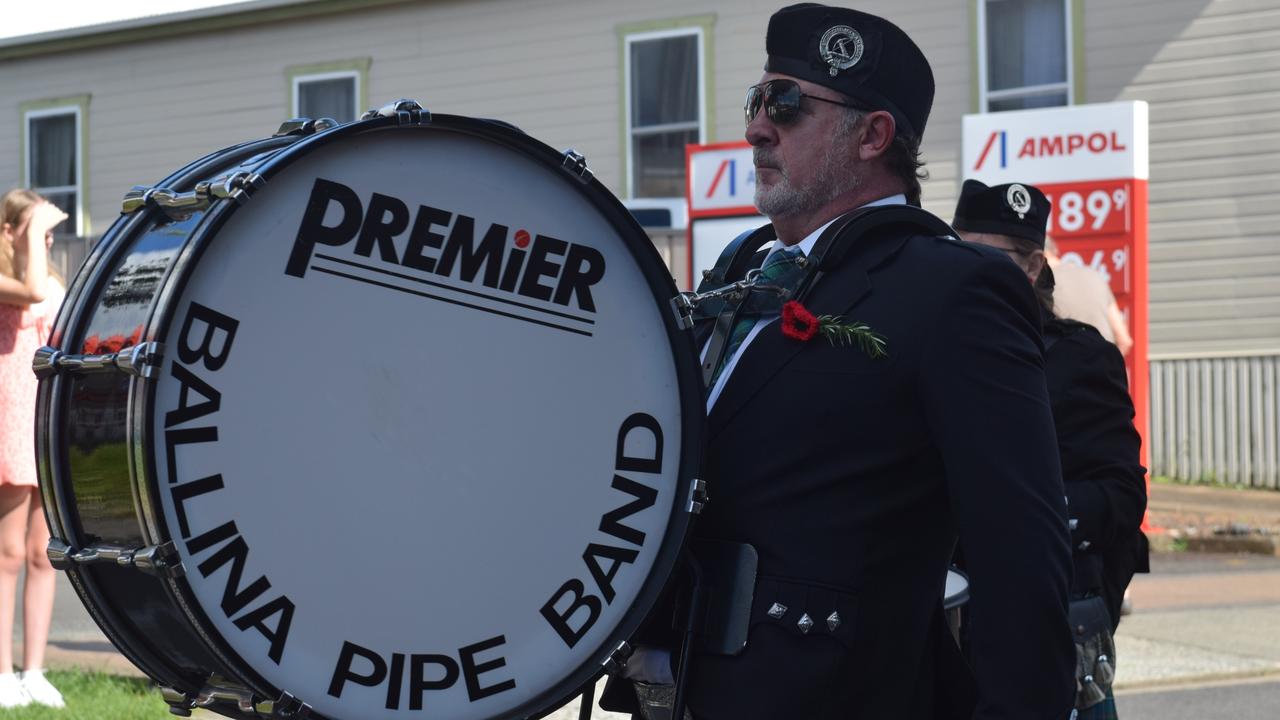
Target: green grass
[97,696]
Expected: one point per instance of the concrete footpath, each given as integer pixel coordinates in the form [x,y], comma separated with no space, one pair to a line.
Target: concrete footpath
[1209,610]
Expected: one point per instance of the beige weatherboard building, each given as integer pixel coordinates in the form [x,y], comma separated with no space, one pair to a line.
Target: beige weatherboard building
[93,111]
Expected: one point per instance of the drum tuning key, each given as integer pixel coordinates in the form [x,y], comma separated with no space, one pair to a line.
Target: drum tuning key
[139,360]
[405,111]
[305,126]
[576,165]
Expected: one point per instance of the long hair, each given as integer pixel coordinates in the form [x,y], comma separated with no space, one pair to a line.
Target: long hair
[13,206]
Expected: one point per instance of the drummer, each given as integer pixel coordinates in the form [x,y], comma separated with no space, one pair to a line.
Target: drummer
[850,472]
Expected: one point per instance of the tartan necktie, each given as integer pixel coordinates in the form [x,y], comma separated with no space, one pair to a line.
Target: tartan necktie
[778,269]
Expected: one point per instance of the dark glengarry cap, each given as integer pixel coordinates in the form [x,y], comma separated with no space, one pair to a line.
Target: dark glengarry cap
[863,56]
[1016,209]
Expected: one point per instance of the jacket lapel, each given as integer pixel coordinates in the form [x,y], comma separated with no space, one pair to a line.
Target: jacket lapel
[836,294]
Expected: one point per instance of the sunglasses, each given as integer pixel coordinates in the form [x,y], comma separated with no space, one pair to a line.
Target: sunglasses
[781,101]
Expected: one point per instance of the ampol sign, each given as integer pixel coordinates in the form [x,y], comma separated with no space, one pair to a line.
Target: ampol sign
[720,191]
[1092,163]
[1058,145]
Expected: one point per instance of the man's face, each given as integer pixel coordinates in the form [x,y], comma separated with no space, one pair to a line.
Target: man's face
[804,164]
[1031,262]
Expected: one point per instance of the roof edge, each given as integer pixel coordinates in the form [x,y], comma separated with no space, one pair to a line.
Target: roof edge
[154,27]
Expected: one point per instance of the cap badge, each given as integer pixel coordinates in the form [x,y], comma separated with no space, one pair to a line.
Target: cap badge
[1019,200]
[841,47]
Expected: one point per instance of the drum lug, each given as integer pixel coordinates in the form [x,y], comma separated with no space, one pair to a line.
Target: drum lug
[576,165]
[138,360]
[304,126]
[225,691]
[153,559]
[683,309]
[238,187]
[179,206]
[285,707]
[136,198]
[697,496]
[406,112]
[617,659]
[159,560]
[59,553]
[179,703]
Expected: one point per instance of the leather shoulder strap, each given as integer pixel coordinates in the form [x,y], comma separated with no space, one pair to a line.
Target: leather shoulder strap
[835,242]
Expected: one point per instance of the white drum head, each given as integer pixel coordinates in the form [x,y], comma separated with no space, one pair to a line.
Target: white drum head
[448,485]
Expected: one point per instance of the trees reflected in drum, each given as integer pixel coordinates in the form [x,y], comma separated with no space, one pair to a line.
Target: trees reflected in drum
[411,427]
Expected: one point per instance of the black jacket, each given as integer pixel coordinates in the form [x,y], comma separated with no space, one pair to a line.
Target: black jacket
[1106,489]
[852,477]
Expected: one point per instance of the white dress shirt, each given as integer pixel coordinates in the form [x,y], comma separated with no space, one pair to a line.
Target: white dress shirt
[806,247]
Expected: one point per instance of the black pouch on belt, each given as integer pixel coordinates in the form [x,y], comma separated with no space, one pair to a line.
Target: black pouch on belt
[729,583]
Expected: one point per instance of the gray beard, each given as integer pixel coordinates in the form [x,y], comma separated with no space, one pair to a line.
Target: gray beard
[785,199]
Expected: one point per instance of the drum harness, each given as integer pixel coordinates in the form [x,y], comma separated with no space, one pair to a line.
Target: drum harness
[722,298]
[732,285]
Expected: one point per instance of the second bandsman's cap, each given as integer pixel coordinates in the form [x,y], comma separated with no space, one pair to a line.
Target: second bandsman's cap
[1015,209]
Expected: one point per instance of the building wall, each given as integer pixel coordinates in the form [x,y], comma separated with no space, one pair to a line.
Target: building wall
[550,66]
[1210,70]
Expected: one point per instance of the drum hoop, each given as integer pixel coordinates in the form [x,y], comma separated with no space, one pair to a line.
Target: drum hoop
[657,279]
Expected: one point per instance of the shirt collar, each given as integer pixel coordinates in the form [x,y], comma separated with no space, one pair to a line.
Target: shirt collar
[806,245]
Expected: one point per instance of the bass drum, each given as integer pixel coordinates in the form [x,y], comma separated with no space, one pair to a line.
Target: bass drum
[378,420]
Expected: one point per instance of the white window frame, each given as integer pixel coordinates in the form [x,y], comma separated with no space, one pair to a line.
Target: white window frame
[78,188]
[631,38]
[985,96]
[299,80]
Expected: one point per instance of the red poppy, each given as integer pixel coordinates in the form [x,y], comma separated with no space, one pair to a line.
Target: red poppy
[797,322]
[91,344]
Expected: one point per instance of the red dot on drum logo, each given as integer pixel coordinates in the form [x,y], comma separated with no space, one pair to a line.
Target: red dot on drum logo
[522,238]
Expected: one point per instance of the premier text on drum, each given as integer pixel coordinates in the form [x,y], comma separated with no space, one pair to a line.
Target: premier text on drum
[427,248]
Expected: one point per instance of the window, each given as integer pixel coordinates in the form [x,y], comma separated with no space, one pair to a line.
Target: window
[665,91]
[331,96]
[54,159]
[1024,54]
[333,90]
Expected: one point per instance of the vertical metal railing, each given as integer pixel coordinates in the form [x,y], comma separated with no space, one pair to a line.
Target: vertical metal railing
[1215,420]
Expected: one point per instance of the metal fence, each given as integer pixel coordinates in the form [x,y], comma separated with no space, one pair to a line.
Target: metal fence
[1214,420]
